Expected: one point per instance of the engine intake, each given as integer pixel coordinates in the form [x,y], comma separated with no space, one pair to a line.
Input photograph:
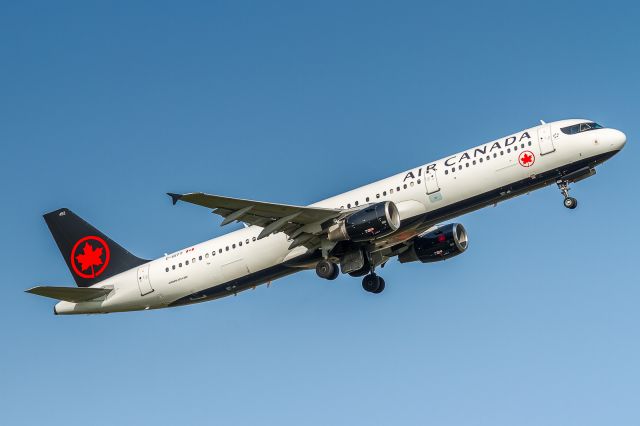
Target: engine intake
[372,222]
[441,244]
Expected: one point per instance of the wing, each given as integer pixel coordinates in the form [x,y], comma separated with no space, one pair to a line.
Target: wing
[303,224]
[70,294]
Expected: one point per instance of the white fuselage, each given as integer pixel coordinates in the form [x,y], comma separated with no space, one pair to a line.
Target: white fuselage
[436,191]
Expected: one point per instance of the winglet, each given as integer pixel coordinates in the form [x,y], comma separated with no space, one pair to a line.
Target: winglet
[174,197]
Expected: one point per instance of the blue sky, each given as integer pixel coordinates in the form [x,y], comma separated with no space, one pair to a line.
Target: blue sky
[107,106]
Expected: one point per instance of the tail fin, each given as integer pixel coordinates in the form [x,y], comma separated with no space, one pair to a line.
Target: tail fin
[90,255]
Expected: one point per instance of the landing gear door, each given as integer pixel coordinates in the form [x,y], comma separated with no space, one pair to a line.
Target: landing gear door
[544,140]
[432,186]
[144,283]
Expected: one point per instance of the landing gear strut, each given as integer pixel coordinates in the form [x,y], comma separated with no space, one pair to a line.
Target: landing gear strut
[373,283]
[569,202]
[327,270]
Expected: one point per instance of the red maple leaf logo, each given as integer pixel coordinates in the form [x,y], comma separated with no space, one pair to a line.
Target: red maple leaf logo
[526,159]
[89,258]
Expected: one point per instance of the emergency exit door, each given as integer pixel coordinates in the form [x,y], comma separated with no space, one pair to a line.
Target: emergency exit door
[545,141]
[144,283]
[431,180]
[432,186]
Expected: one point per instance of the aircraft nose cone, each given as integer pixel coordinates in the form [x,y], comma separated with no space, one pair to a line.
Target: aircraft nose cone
[618,139]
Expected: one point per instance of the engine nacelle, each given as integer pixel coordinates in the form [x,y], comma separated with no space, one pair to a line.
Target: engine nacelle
[441,244]
[372,222]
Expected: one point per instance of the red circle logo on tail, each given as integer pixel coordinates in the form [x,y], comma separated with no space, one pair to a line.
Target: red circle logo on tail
[90,257]
[526,159]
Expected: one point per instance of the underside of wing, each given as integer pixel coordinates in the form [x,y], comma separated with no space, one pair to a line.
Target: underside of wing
[300,223]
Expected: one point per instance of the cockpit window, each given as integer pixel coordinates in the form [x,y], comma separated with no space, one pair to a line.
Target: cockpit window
[579,128]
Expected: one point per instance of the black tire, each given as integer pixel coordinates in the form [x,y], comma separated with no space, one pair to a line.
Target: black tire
[380,286]
[327,270]
[336,272]
[570,203]
[371,283]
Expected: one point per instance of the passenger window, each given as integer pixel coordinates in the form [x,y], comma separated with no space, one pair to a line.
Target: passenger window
[226,248]
[391,191]
[418,181]
[356,204]
[367,199]
[446,172]
[233,246]
[460,167]
[180,265]
[529,143]
[349,205]
[501,152]
[166,270]
[207,254]
[240,243]
[508,150]
[377,195]
[220,251]
[481,158]
[253,239]
[186,263]
[405,186]
[495,155]
[213,253]
[467,165]
[474,162]
[246,241]
[199,257]
[173,266]
[411,183]
[384,193]
[453,170]
[193,260]
[398,189]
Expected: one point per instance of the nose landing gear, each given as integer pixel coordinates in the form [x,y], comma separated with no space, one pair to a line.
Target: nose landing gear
[569,202]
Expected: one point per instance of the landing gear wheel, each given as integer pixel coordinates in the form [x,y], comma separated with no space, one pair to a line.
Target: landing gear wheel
[380,286]
[336,272]
[570,203]
[371,283]
[327,270]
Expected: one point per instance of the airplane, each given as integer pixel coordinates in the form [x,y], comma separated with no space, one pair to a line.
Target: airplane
[353,233]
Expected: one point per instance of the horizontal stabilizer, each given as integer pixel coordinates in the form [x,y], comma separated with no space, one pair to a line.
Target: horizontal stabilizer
[70,294]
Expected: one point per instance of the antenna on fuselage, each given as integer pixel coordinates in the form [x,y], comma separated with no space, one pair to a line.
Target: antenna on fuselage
[542,122]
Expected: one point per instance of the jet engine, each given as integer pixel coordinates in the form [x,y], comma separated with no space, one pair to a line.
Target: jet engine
[443,243]
[369,223]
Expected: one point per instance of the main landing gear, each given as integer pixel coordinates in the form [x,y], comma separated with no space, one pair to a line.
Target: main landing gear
[569,202]
[329,271]
[373,283]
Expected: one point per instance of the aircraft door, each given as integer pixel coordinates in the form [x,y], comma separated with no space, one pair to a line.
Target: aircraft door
[144,283]
[432,186]
[544,140]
